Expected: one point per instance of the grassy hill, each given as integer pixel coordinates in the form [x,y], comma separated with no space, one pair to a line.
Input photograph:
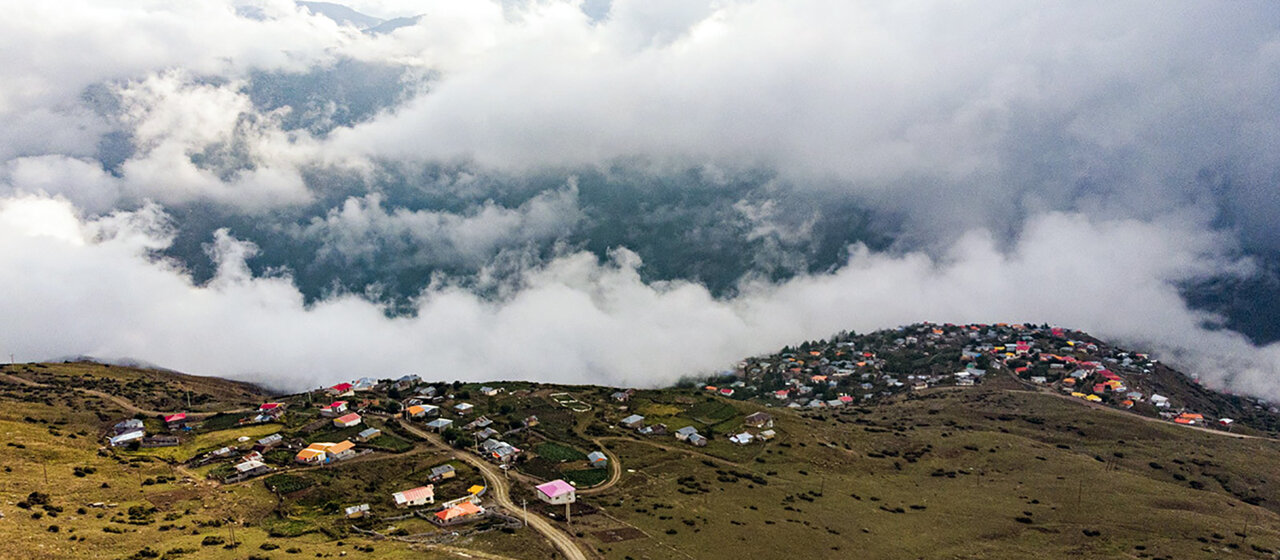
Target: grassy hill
[997,470]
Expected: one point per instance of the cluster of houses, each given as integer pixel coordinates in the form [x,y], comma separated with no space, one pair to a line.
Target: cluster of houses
[132,430]
[459,510]
[320,453]
[689,434]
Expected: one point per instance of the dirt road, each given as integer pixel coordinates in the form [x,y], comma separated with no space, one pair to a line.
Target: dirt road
[500,491]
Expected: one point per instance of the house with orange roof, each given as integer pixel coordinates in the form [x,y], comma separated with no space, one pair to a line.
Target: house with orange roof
[462,512]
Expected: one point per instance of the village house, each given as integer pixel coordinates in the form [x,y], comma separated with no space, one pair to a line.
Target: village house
[481,422]
[367,434]
[125,426]
[759,420]
[347,420]
[683,433]
[334,409]
[414,497]
[484,434]
[743,438]
[622,396]
[268,442]
[442,472]
[340,390]
[461,512]
[635,421]
[322,452]
[251,468]
[768,435]
[406,382]
[463,408]
[271,407]
[439,424]
[556,492]
[125,438]
[654,430]
[499,451]
[422,411]
[489,391]
[597,459]
[160,440]
[364,384]
[176,421]
[530,421]
[354,512]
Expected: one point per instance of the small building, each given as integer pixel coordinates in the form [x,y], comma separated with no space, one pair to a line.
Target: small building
[354,512]
[499,451]
[461,512]
[439,424]
[621,396]
[698,440]
[768,435]
[683,433]
[742,438]
[340,389]
[530,422]
[368,434]
[484,434]
[364,384]
[557,492]
[176,421]
[489,391]
[422,411]
[125,438]
[271,406]
[414,497]
[442,472]
[347,420]
[598,459]
[251,468]
[125,426]
[342,450]
[481,422]
[634,421]
[268,442]
[312,455]
[463,408]
[760,420]
[161,440]
[334,409]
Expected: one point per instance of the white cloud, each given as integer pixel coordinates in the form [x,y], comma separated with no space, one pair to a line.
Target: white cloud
[92,288]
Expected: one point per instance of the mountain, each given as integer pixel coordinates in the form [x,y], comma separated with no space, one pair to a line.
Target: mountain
[342,15]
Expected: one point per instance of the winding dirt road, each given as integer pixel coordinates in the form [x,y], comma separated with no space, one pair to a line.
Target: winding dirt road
[500,491]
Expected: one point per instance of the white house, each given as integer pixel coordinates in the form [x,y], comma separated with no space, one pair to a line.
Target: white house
[557,492]
[414,497]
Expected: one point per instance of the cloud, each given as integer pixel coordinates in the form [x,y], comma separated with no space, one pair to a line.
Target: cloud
[94,286]
[362,229]
[165,163]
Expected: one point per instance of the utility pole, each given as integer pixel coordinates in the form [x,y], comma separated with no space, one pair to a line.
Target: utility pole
[46,475]
[524,504]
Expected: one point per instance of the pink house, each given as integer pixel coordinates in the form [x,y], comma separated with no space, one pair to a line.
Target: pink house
[556,492]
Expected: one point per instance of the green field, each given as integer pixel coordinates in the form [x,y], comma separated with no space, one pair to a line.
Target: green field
[559,453]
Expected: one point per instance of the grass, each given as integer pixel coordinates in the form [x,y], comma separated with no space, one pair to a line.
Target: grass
[209,441]
[559,453]
[586,478]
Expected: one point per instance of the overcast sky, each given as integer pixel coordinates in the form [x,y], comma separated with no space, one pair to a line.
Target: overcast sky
[625,192]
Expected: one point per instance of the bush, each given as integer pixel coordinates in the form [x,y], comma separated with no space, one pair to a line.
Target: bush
[212,540]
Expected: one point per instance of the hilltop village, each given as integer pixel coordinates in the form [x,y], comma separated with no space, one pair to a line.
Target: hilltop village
[526,470]
[857,369]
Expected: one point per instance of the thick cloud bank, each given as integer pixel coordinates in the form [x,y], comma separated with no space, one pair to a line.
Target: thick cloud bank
[626,192]
[93,286]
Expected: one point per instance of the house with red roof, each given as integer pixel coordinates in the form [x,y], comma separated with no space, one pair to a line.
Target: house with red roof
[340,389]
[334,409]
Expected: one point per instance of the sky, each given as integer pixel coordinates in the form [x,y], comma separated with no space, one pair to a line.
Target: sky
[629,192]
